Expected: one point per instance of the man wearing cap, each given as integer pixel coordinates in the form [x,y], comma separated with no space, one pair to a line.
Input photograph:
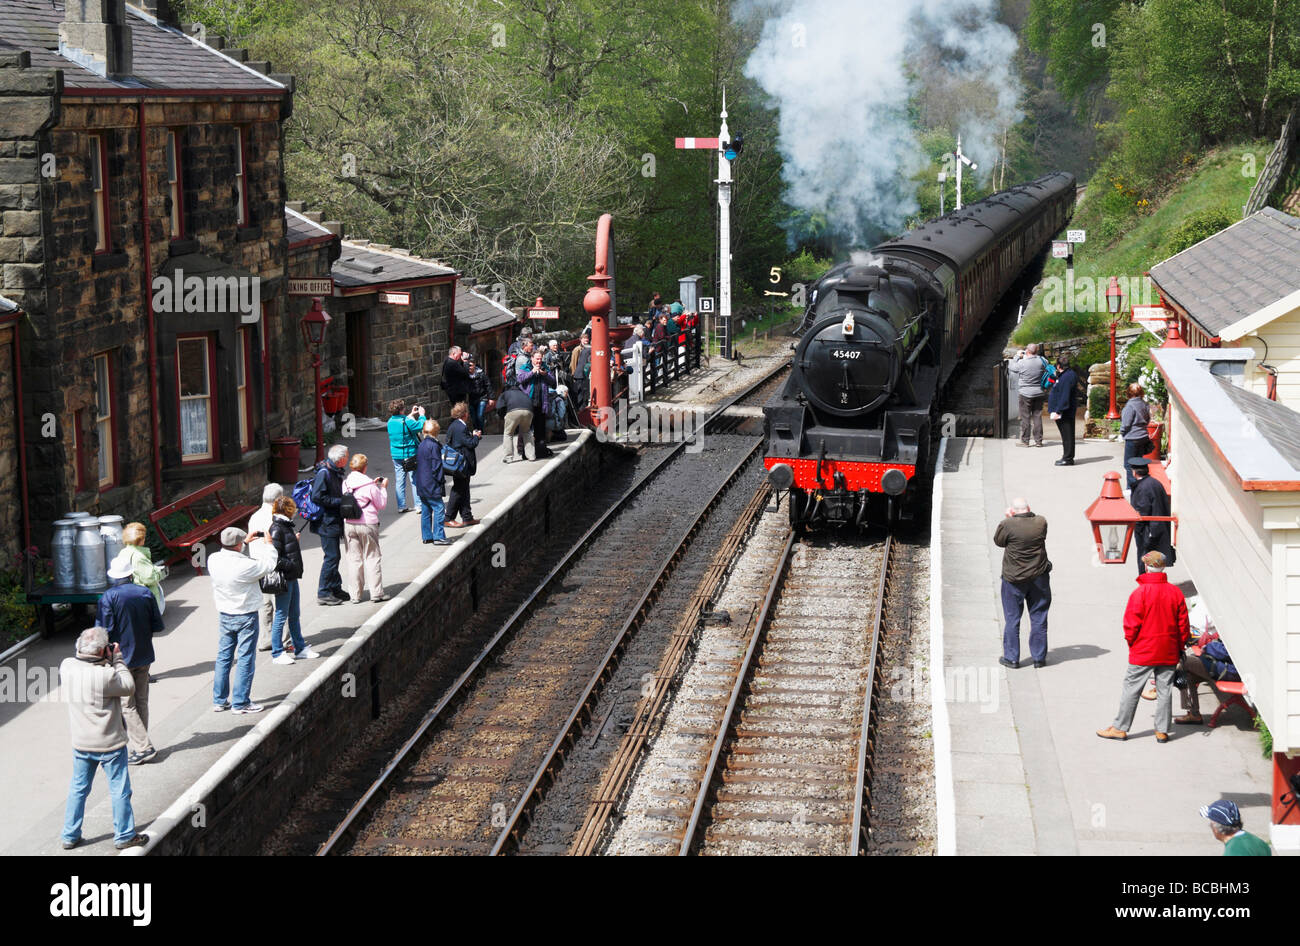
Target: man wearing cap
[260,521]
[1026,581]
[1225,821]
[1157,629]
[238,596]
[129,614]
[1150,499]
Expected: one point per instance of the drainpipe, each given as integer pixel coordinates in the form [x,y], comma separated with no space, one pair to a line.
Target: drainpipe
[148,303]
[17,327]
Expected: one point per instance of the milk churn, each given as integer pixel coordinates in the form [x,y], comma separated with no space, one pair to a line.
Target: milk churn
[63,547]
[110,530]
[92,571]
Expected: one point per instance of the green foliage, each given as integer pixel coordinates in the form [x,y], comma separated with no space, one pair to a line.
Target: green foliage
[805,267]
[1041,326]
[1196,228]
[1137,356]
[1265,738]
[1099,402]
[1077,53]
[17,617]
[1093,353]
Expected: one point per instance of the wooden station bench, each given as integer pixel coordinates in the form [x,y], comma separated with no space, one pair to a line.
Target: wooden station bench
[181,545]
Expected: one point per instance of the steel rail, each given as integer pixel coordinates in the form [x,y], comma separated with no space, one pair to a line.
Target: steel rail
[862,788]
[866,742]
[510,836]
[383,783]
[619,772]
[737,689]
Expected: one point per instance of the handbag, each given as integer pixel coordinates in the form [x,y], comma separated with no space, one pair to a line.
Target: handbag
[349,508]
[274,583]
[410,462]
[453,461]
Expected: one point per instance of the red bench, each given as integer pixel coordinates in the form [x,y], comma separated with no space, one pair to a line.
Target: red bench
[182,545]
[1234,690]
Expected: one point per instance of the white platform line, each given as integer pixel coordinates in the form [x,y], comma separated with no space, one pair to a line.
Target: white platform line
[944,797]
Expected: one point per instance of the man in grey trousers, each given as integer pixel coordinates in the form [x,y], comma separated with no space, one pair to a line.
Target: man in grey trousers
[1027,373]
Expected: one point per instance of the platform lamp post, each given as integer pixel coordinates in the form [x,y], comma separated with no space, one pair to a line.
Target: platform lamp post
[1114,303]
[1112,512]
[313,333]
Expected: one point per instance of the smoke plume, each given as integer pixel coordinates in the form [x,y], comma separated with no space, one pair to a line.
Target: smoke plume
[842,74]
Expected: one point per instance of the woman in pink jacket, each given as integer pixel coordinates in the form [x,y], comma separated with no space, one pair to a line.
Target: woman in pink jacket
[362,535]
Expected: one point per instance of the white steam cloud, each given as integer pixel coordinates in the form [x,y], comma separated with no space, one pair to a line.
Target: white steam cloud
[842,74]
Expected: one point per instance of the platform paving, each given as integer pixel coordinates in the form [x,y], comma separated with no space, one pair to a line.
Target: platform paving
[1020,769]
[35,758]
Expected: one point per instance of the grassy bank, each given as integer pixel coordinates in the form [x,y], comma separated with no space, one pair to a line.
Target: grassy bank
[1208,196]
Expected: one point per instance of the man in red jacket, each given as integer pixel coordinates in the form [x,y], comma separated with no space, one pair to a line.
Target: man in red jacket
[1157,630]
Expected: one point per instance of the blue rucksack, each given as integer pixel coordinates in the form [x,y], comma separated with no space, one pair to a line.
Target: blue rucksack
[453,461]
[302,499]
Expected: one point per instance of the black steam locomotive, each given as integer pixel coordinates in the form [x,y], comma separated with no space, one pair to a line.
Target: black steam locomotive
[849,434]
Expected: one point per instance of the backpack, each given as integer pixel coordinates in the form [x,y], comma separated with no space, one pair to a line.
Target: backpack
[508,371]
[453,461]
[1049,374]
[302,499]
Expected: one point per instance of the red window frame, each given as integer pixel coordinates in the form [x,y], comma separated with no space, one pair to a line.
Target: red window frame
[102,202]
[176,188]
[81,449]
[214,413]
[244,339]
[241,176]
[110,363]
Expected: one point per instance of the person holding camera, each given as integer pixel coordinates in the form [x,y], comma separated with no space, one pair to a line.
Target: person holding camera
[93,684]
[237,593]
[403,437]
[465,441]
[430,485]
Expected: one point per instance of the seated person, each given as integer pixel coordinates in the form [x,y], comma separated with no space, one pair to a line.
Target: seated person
[1213,664]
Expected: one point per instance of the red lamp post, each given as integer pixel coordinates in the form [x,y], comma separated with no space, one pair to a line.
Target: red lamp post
[1112,512]
[1114,302]
[313,333]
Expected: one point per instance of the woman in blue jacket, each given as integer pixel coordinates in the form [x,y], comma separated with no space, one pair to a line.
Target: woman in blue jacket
[463,440]
[1133,428]
[403,437]
[430,485]
[1062,402]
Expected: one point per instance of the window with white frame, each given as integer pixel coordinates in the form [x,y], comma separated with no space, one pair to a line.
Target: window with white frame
[104,420]
[241,185]
[241,386]
[174,186]
[99,195]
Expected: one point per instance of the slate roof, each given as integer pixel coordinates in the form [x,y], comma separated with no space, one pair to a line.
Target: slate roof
[1258,439]
[301,229]
[359,266]
[478,313]
[1236,272]
[162,56]
[1276,423]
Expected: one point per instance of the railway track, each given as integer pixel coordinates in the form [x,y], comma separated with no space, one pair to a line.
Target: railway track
[468,779]
[768,747]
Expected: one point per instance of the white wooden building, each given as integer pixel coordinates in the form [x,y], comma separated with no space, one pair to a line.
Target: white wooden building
[1234,469]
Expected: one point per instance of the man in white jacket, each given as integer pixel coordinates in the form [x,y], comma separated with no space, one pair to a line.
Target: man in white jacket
[238,597]
[93,684]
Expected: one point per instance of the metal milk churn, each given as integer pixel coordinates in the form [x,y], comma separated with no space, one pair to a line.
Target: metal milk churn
[92,572]
[63,551]
[110,530]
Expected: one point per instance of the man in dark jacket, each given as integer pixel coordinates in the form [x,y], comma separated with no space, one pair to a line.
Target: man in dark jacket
[1025,580]
[430,484]
[1156,629]
[327,493]
[1062,402]
[580,370]
[1150,499]
[129,613]
[464,441]
[455,375]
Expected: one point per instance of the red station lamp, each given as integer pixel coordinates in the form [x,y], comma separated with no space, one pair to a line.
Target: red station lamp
[314,324]
[1114,514]
[1114,303]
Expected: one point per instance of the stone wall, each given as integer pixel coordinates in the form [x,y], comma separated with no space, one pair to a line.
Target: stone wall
[82,303]
[11,519]
[334,706]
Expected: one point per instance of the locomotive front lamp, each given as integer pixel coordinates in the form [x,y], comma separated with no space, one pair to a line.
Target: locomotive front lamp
[1112,518]
[848,325]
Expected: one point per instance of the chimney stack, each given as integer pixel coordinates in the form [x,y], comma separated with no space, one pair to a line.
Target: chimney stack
[95,34]
[160,10]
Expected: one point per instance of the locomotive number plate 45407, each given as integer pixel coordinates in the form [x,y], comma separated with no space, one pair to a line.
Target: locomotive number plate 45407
[845,353]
